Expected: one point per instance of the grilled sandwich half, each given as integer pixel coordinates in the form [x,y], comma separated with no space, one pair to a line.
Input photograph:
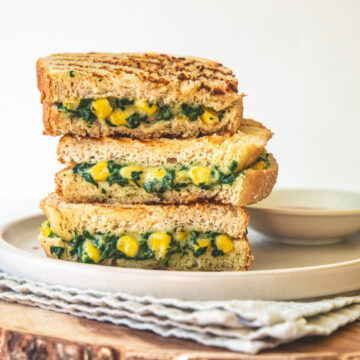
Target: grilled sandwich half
[232,170]
[199,238]
[138,95]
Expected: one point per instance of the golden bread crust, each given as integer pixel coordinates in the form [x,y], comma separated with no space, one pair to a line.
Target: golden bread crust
[157,78]
[65,218]
[245,146]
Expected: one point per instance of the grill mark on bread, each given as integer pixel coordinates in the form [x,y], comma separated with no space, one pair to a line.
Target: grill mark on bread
[137,62]
[157,77]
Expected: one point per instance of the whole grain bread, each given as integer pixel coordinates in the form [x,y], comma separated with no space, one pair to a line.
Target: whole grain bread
[252,186]
[244,147]
[240,259]
[157,78]
[57,123]
[66,218]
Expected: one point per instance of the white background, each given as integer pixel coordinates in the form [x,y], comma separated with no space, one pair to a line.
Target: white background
[298,62]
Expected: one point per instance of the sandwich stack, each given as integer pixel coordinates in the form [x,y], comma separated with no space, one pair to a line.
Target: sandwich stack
[159,162]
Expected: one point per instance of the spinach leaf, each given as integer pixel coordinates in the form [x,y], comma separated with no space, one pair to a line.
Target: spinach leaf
[121,103]
[200,251]
[57,250]
[192,112]
[232,167]
[82,111]
[135,177]
[89,179]
[215,251]
[82,169]
[135,119]
[164,113]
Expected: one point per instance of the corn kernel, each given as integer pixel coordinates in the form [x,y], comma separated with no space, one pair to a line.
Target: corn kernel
[72,104]
[45,228]
[118,117]
[128,245]
[99,172]
[224,243]
[209,117]
[159,243]
[260,165]
[180,234]
[101,108]
[200,174]
[145,107]
[90,251]
[154,173]
[201,243]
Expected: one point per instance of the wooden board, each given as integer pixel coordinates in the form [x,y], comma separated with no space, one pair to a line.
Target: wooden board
[32,333]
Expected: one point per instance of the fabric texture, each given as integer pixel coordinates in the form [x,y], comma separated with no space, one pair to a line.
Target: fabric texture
[240,325]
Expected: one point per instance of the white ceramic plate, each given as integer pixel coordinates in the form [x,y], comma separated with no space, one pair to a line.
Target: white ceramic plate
[280,272]
[307,217]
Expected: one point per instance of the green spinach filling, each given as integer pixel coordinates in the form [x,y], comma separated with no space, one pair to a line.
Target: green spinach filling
[157,180]
[132,113]
[93,248]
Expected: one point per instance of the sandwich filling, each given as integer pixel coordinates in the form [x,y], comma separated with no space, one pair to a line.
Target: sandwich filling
[159,179]
[116,112]
[93,248]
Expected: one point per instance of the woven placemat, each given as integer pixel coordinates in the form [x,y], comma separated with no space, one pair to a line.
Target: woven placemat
[240,325]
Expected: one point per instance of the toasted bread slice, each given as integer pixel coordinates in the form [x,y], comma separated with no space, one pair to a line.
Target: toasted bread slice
[157,78]
[140,95]
[254,184]
[199,237]
[244,147]
[65,218]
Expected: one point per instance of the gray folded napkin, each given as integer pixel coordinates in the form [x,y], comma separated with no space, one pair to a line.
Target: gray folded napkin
[240,325]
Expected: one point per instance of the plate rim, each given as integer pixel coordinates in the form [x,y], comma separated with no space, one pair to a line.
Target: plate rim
[4,244]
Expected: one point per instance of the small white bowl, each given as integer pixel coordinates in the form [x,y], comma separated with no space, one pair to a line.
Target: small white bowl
[306,217]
